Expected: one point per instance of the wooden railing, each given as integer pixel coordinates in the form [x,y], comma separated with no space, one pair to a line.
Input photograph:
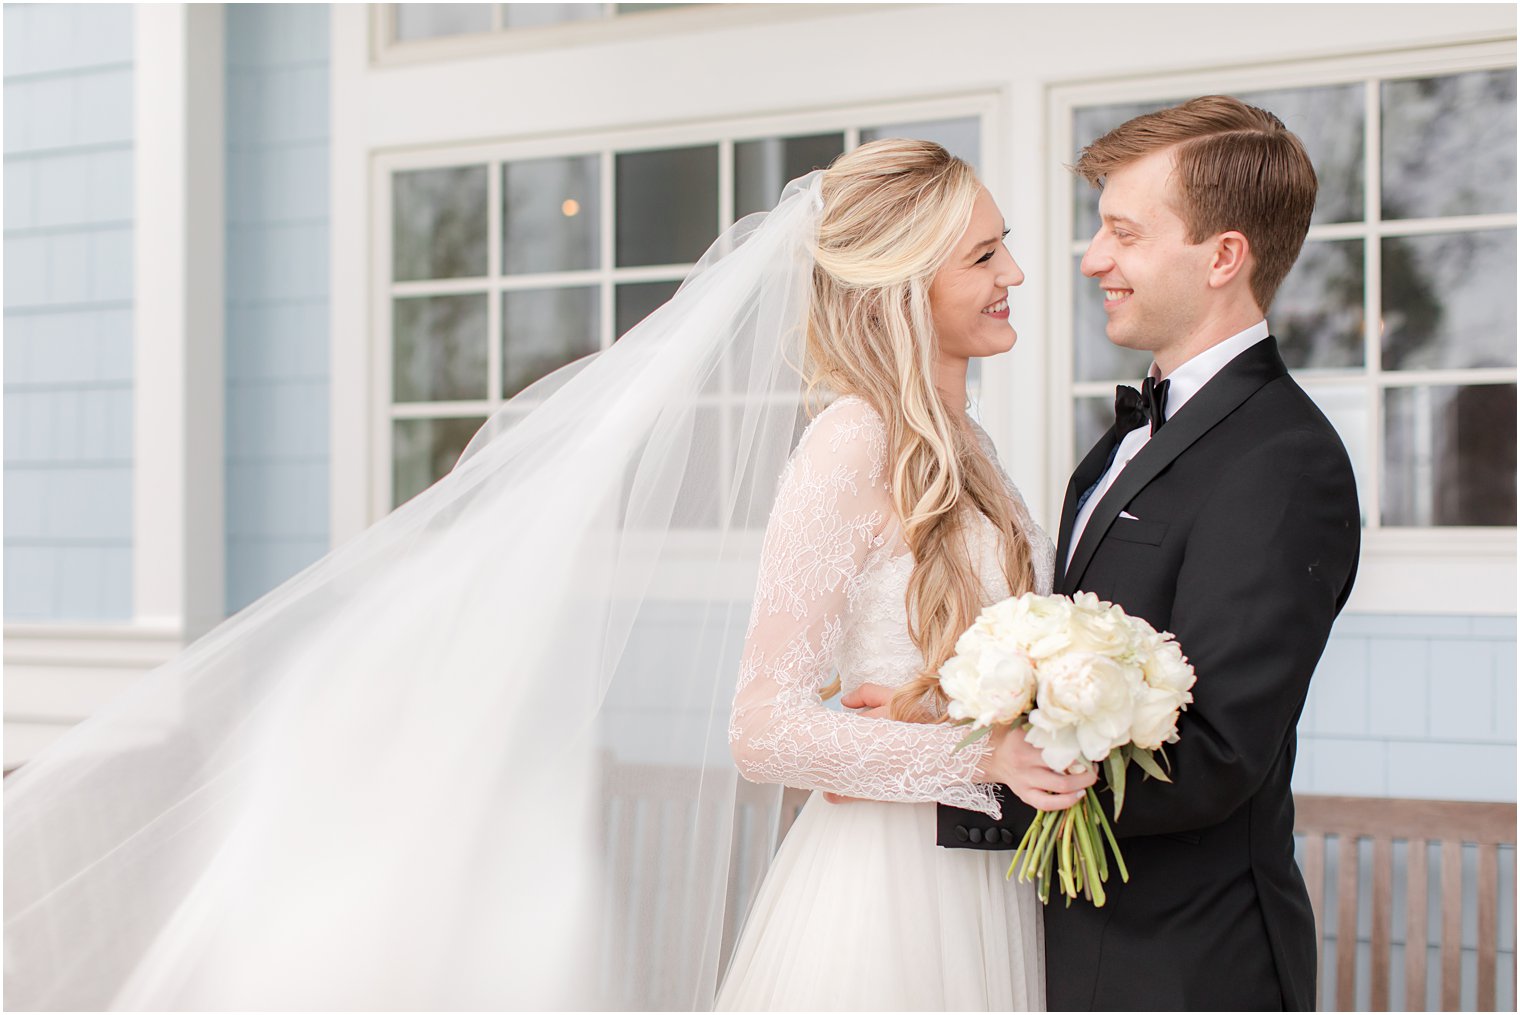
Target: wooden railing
[1422,824]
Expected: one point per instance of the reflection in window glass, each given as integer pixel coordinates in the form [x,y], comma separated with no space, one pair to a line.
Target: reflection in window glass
[1318,314]
[667,205]
[762,168]
[438,223]
[1098,359]
[961,137]
[1449,145]
[1443,302]
[1330,121]
[534,15]
[432,21]
[542,330]
[550,214]
[439,348]
[424,450]
[634,301]
[1348,408]
[1449,456]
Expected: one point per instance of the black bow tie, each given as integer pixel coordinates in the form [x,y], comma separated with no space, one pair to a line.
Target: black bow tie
[1133,409]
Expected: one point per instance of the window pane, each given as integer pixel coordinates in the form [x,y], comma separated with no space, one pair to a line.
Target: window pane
[1092,416]
[439,223]
[762,168]
[1098,359]
[550,214]
[424,450]
[667,205]
[637,300]
[429,21]
[542,330]
[1318,313]
[1449,300]
[961,137]
[1449,456]
[439,348]
[1331,122]
[1348,409]
[1449,145]
[533,15]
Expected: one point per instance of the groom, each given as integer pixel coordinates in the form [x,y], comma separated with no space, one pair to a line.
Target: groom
[1220,506]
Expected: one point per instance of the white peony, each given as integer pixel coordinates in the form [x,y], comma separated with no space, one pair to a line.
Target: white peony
[1165,667]
[1085,704]
[993,684]
[1155,718]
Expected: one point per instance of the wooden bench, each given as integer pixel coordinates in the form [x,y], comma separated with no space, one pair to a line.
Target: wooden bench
[1420,824]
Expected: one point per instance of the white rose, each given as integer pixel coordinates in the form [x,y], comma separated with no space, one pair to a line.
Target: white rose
[1085,706]
[992,686]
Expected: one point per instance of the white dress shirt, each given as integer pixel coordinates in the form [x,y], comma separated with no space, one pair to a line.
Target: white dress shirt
[1186,381]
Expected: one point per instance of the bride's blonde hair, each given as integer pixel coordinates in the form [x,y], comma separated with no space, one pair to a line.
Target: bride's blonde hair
[893,211]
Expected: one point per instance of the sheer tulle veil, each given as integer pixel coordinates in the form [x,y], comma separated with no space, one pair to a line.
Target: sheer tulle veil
[477,757]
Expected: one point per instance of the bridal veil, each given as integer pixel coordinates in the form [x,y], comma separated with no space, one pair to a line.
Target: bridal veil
[477,757]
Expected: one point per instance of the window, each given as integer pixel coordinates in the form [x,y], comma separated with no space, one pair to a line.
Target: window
[415,22]
[1399,317]
[504,264]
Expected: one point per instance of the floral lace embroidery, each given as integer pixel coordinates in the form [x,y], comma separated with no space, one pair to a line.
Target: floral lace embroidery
[830,598]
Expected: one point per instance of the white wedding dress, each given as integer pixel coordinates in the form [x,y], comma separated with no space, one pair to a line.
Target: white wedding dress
[860,909]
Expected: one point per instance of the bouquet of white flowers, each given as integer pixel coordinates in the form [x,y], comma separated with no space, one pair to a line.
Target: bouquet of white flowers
[1093,686]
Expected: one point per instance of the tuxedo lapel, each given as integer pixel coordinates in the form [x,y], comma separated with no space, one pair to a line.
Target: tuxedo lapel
[1237,381]
[1088,472]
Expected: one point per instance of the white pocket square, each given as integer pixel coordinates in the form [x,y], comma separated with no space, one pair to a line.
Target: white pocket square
[1126,514]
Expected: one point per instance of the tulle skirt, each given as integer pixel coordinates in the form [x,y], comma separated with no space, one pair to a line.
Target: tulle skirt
[862,911]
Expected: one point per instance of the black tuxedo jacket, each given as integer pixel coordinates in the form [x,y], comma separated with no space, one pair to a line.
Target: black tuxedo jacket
[1244,544]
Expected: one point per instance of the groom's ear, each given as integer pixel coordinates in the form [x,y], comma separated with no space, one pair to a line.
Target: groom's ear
[1232,259]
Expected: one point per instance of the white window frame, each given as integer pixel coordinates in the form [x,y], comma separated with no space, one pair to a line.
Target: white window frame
[723,133]
[385,50]
[1465,570]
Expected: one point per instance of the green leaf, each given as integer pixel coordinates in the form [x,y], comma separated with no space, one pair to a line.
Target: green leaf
[1114,766]
[1145,761]
[973,737]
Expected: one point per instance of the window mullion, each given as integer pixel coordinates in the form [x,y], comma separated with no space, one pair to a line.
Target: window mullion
[609,217]
[1373,296]
[495,340]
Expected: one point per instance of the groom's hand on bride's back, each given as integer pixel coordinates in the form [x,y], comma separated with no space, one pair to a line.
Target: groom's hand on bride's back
[1013,762]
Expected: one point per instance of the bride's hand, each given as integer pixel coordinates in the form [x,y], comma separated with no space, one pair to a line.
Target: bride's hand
[1018,765]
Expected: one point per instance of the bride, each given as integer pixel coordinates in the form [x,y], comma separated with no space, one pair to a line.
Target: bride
[478,756]
[893,527]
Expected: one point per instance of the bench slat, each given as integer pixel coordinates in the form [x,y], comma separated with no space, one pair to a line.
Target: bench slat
[1417,937]
[1488,925]
[1382,921]
[1451,925]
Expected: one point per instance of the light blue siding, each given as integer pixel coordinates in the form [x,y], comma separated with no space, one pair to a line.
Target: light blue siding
[277,309]
[68,312]
[1412,706]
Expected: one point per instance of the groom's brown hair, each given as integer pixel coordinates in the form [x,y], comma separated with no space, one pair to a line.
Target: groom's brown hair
[1238,168]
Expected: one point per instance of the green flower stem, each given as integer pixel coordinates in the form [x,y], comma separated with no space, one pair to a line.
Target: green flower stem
[1108,831]
[1065,868]
[1084,837]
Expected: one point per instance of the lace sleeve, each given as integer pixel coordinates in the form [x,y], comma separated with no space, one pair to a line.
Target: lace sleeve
[830,512]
